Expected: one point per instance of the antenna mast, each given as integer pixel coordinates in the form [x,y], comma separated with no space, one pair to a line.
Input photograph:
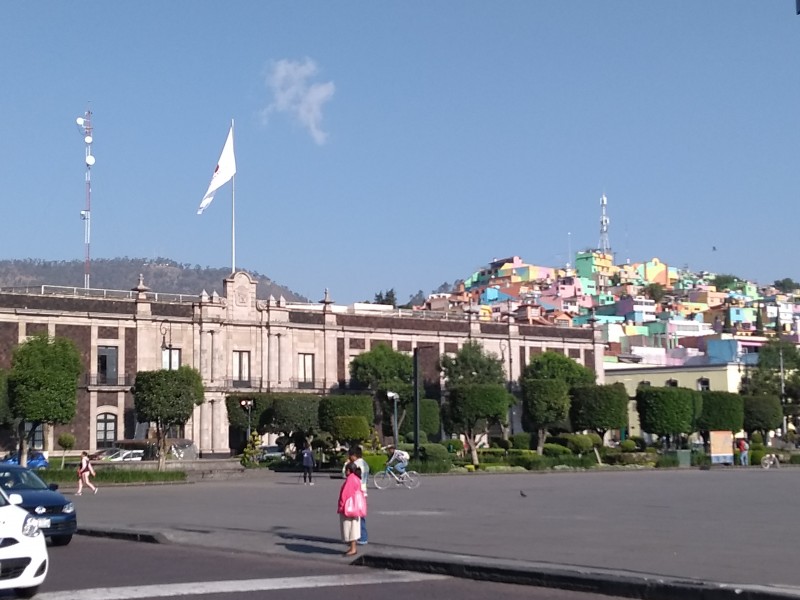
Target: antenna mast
[85,128]
[604,246]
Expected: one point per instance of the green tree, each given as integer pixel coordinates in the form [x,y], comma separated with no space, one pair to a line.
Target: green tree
[471,406]
[472,364]
[762,413]
[429,419]
[383,370]
[350,430]
[66,441]
[599,407]
[260,412]
[655,291]
[166,398]
[331,407]
[765,378]
[786,285]
[554,365]
[722,411]
[668,411]
[389,297]
[42,384]
[725,282]
[295,415]
[545,402]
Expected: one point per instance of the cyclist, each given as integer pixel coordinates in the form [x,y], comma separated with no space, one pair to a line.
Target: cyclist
[398,459]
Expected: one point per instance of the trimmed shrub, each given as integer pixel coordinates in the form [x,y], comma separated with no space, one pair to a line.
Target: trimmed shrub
[755,456]
[428,418]
[628,446]
[668,410]
[453,444]
[434,452]
[350,429]
[376,462]
[491,455]
[423,437]
[553,450]
[667,461]
[722,411]
[331,407]
[794,459]
[762,413]
[597,441]
[599,407]
[521,441]
[430,466]
[529,460]
[579,443]
[497,442]
[577,462]
[757,438]
[641,445]
[701,459]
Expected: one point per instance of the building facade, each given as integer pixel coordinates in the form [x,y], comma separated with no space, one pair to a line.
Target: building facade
[240,343]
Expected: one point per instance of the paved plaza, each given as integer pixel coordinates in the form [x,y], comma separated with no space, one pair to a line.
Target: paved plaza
[724,525]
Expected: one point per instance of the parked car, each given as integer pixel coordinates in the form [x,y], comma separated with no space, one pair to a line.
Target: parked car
[36,460]
[103,453]
[271,453]
[125,455]
[23,553]
[55,514]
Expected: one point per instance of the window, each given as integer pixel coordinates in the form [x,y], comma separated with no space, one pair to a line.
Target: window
[644,384]
[241,369]
[305,370]
[171,358]
[703,384]
[106,430]
[37,441]
[671,383]
[107,365]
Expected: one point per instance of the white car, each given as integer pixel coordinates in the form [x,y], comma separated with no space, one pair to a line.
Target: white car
[126,455]
[23,551]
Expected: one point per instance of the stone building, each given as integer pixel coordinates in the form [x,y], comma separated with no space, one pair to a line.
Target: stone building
[240,343]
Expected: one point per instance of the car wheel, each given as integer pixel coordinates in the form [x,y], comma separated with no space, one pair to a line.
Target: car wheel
[28,592]
[61,540]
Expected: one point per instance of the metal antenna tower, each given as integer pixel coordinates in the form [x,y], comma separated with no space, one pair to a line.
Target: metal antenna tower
[604,246]
[85,128]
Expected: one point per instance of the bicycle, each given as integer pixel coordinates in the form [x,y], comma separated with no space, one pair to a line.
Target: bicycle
[770,460]
[384,479]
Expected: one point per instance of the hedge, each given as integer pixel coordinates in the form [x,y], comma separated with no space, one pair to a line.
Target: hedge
[722,411]
[344,406]
[668,410]
[599,407]
[555,450]
[429,421]
[521,441]
[350,429]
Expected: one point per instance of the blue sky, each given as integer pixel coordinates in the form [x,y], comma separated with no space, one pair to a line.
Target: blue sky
[404,144]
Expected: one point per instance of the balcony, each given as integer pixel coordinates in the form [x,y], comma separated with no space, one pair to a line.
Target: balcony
[103,379]
[253,383]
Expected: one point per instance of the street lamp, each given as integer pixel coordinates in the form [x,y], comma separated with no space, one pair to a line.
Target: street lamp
[248,404]
[394,397]
[166,328]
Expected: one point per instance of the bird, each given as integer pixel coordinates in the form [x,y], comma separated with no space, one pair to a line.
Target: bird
[523,494]
[713,248]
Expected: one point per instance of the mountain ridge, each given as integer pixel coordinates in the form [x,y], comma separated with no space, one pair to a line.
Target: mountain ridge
[160,275]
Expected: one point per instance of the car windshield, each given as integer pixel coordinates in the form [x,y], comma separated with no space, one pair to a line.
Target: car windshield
[20,480]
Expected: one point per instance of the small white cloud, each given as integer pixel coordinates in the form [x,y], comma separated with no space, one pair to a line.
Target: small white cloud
[294,93]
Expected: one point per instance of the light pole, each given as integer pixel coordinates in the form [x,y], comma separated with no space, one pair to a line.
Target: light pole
[394,397]
[166,328]
[248,404]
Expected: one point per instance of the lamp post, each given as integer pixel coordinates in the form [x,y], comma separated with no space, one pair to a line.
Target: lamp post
[394,397]
[248,404]
[166,328]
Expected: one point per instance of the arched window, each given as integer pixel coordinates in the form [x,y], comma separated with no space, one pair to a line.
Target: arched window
[703,384]
[106,430]
[671,383]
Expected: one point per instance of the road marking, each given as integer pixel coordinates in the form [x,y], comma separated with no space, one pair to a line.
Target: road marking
[198,588]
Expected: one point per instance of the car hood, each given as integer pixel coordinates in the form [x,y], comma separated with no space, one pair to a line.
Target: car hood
[34,498]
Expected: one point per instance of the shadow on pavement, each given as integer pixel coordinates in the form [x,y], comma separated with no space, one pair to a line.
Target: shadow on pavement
[308,549]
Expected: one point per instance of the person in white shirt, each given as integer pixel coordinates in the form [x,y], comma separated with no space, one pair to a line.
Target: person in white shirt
[398,459]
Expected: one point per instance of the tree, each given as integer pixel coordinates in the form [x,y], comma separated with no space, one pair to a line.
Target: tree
[384,370]
[166,398]
[472,364]
[725,282]
[786,285]
[471,405]
[599,407]
[350,430]
[42,385]
[654,291]
[668,411]
[295,415]
[545,402]
[762,413]
[429,419]
[554,365]
[416,300]
[66,441]
[331,407]
[389,297]
[722,411]
[765,378]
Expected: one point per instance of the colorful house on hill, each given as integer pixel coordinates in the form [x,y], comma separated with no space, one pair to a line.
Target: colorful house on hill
[597,266]
[654,271]
[636,309]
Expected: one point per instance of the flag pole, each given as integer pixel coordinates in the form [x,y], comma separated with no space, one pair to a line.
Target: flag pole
[233,219]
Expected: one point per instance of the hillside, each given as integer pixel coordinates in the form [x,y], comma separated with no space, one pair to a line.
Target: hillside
[160,275]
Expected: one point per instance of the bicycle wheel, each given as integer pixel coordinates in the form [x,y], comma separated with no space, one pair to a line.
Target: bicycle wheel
[769,460]
[382,480]
[411,480]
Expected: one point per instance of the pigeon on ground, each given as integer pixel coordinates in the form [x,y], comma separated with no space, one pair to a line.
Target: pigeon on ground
[523,494]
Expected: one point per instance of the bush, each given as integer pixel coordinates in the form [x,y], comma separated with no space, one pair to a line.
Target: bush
[555,450]
[491,455]
[757,438]
[579,443]
[755,456]
[577,462]
[497,442]
[331,407]
[639,441]
[521,441]
[376,462]
[701,459]
[529,460]
[112,475]
[423,437]
[453,444]
[430,466]
[667,461]
[794,459]
[350,429]
[434,452]
[628,446]
[597,441]
[428,418]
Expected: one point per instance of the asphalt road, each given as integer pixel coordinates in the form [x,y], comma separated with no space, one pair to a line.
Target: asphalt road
[727,525]
[102,569]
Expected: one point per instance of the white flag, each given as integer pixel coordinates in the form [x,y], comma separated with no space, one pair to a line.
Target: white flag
[226,168]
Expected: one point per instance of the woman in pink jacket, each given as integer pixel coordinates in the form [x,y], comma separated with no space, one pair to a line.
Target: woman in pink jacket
[352,506]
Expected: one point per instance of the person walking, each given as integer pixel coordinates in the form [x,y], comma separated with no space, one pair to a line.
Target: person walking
[85,470]
[351,507]
[744,447]
[308,465]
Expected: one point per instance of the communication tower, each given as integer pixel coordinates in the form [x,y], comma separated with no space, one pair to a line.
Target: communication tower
[86,130]
[604,246]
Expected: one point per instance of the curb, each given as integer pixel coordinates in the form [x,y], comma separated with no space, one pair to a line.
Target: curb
[628,585]
[124,534]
